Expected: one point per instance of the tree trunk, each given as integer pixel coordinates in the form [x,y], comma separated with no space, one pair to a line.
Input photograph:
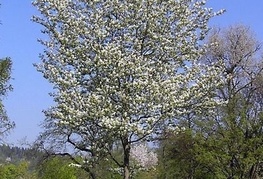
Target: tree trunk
[252,173]
[126,172]
[126,159]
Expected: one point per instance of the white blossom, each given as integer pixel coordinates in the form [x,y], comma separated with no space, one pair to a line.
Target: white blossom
[143,156]
[122,69]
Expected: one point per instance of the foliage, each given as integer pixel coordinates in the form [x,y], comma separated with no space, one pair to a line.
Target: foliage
[11,171]
[238,137]
[56,168]
[5,75]
[227,143]
[180,157]
[122,71]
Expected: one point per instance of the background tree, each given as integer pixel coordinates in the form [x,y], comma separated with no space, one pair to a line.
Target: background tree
[57,167]
[143,161]
[239,125]
[12,171]
[122,71]
[227,143]
[230,143]
[180,156]
[5,87]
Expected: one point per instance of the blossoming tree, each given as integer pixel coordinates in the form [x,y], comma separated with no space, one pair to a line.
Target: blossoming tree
[122,70]
[143,157]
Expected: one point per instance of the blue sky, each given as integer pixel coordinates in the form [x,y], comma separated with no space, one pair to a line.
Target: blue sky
[18,40]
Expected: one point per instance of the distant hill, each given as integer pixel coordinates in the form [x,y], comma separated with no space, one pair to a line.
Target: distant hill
[15,155]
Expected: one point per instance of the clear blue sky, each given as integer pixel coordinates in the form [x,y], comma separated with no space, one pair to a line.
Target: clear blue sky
[18,40]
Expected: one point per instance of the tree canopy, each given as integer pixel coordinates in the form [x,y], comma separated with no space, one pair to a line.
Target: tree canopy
[122,71]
